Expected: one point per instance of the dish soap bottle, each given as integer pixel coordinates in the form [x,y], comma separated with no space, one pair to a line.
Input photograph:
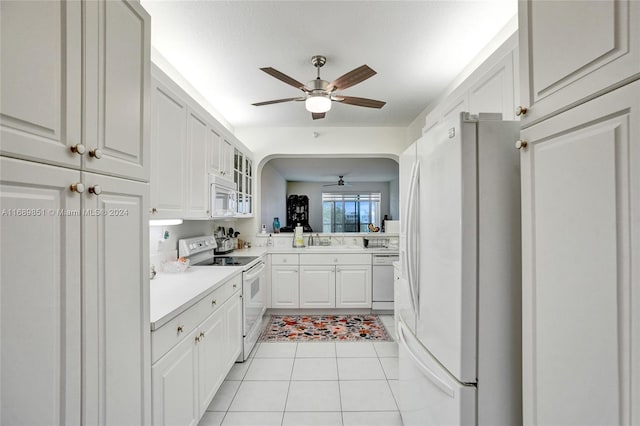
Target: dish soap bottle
[298,239]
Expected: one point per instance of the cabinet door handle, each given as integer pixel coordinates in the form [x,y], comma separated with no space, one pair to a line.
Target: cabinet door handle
[77,187]
[213,302]
[201,335]
[154,210]
[180,329]
[78,149]
[235,285]
[95,189]
[521,144]
[197,339]
[521,111]
[96,153]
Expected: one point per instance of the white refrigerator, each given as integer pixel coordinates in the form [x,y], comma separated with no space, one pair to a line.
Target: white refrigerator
[458,300]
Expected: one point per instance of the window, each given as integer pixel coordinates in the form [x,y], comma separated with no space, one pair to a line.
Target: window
[343,212]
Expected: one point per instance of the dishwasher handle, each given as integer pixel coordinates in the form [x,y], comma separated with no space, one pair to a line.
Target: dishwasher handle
[385,259]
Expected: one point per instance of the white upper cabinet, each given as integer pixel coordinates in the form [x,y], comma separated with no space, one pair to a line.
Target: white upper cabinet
[41,81]
[491,88]
[494,91]
[51,67]
[581,260]
[197,183]
[572,51]
[117,36]
[168,167]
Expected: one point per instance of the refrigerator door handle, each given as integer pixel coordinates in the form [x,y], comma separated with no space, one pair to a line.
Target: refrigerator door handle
[429,374]
[410,237]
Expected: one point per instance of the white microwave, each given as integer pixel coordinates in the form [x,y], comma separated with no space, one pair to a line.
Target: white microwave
[223,195]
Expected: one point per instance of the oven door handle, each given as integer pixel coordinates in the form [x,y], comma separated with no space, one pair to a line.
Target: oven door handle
[254,272]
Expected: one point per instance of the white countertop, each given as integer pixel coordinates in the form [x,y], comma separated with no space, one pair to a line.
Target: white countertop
[333,249]
[173,293]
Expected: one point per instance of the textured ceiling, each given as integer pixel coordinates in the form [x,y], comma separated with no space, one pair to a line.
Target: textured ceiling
[416,47]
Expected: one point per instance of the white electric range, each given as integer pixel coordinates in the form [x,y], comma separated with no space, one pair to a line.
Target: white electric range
[200,252]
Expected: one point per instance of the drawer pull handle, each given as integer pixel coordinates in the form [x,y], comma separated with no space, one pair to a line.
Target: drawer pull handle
[235,285]
[521,111]
[213,302]
[201,335]
[180,329]
[197,339]
[96,153]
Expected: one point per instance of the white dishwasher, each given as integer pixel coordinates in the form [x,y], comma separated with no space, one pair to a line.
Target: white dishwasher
[383,281]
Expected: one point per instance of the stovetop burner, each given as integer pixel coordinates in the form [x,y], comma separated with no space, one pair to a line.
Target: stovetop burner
[231,260]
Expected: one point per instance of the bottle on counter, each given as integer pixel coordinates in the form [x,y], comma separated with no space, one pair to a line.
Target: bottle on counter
[298,238]
[276,225]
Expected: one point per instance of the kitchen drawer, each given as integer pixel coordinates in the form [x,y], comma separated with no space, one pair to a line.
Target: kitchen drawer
[217,297]
[284,259]
[335,259]
[175,330]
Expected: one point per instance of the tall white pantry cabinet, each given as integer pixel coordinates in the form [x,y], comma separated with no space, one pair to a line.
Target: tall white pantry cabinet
[580,154]
[74,302]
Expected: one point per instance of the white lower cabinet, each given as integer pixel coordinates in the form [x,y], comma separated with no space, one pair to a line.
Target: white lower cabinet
[317,286]
[187,377]
[41,340]
[321,281]
[75,328]
[581,261]
[353,286]
[174,380]
[285,291]
[284,287]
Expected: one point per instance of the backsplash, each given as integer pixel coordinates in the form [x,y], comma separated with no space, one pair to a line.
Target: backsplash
[284,240]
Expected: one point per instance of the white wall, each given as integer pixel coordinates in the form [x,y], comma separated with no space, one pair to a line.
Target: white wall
[331,141]
[505,41]
[269,142]
[314,191]
[273,197]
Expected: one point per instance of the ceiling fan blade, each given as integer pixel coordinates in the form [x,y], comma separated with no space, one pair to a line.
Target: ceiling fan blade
[317,115]
[351,78]
[285,78]
[277,101]
[363,102]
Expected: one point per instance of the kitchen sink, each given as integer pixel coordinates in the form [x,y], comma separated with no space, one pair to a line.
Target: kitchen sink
[332,248]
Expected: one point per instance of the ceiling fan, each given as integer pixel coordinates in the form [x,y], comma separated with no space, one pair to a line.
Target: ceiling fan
[340,182]
[318,93]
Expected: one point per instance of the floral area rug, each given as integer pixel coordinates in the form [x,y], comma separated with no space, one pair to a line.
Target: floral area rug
[324,328]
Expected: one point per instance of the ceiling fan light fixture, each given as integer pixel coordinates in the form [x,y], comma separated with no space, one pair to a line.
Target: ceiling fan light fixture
[318,103]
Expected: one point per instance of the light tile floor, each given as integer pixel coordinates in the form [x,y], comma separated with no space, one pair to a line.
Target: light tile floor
[311,384]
